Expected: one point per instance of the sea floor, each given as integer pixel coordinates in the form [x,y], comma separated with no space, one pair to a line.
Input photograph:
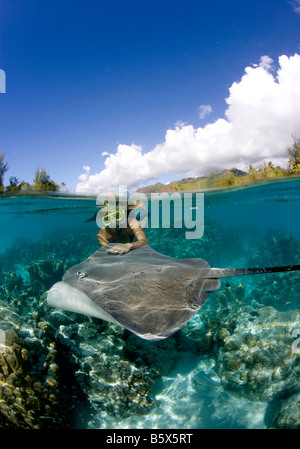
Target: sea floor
[191,396]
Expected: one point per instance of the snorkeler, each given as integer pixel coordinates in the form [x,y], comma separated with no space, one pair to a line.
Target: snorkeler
[125,235]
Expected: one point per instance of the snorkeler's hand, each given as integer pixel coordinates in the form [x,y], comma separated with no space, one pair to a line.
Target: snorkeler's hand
[120,249]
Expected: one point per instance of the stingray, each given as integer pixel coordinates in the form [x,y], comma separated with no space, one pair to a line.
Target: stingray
[148,293]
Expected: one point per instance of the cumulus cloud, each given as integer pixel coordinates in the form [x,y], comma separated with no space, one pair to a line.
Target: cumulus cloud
[204,110]
[263,112]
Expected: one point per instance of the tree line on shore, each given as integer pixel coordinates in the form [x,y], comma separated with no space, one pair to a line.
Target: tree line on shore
[268,171]
[43,182]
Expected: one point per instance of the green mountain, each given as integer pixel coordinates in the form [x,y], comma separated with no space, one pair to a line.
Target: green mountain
[210,180]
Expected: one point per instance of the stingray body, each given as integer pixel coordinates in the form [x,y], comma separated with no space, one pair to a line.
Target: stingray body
[146,292]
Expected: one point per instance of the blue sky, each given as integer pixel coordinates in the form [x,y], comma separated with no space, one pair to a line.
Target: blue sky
[95,81]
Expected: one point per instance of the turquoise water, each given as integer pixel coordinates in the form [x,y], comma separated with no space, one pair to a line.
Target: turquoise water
[232,366]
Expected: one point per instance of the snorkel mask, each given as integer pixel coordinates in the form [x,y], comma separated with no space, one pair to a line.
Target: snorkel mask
[114,217]
[114,210]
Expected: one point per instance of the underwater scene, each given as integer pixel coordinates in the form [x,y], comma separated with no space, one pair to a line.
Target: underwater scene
[234,365]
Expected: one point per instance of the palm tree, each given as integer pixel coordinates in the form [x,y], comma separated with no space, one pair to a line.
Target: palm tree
[251,170]
[294,152]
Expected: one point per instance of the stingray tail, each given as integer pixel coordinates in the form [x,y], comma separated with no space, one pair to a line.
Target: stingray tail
[224,272]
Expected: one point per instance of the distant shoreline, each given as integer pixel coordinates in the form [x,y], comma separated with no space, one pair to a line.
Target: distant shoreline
[242,186]
[208,190]
[225,189]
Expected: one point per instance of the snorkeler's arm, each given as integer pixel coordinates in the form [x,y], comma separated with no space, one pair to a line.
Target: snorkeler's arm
[126,247]
[141,238]
[103,236]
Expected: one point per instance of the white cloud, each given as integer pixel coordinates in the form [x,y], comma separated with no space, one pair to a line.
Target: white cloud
[266,63]
[296,5]
[85,176]
[262,114]
[105,153]
[204,109]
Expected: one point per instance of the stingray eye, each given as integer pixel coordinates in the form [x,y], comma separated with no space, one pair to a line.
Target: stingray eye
[81,274]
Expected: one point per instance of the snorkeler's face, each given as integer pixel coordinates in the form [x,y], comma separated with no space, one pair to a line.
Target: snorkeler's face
[115,217]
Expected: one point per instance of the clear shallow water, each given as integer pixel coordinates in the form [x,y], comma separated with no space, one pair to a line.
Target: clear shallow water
[210,384]
[34,217]
[258,208]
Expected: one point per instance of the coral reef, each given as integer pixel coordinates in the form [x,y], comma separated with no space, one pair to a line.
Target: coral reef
[279,291]
[276,248]
[112,383]
[252,344]
[288,415]
[257,359]
[72,247]
[33,393]
[43,272]
[160,355]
